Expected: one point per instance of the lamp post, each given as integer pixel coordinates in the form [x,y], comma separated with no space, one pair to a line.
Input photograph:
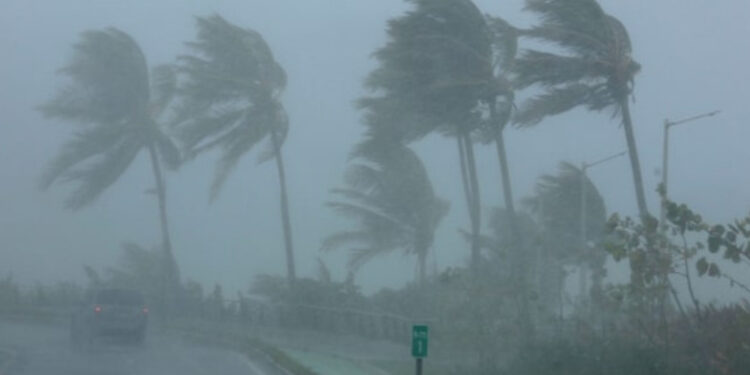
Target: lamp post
[665,158]
[584,167]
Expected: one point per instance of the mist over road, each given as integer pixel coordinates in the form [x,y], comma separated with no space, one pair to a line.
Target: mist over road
[39,350]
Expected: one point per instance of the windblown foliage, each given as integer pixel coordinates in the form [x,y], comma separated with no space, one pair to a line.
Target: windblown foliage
[110,97]
[391,199]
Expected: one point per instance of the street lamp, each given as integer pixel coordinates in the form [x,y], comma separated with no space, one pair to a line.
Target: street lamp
[585,166]
[665,158]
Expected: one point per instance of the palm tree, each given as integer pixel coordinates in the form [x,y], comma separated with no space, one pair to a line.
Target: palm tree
[434,71]
[556,203]
[117,107]
[500,102]
[444,70]
[391,199]
[595,71]
[231,101]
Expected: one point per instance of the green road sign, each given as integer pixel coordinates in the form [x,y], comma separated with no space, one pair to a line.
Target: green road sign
[419,341]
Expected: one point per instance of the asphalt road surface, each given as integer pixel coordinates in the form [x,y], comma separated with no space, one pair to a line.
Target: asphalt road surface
[41,350]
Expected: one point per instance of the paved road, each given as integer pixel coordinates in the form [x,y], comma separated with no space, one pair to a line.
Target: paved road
[41,350]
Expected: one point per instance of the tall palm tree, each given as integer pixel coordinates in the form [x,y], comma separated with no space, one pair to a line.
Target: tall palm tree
[500,100]
[391,199]
[595,70]
[231,101]
[443,70]
[434,71]
[117,108]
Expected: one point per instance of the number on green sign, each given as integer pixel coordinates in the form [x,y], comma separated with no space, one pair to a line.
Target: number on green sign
[419,341]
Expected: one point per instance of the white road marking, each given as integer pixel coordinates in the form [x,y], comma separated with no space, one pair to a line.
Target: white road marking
[256,370]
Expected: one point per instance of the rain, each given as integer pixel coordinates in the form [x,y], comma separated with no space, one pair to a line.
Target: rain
[374,187]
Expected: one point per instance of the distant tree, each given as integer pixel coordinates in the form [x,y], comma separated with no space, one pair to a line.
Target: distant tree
[594,69]
[556,204]
[139,268]
[117,108]
[391,199]
[231,101]
[311,292]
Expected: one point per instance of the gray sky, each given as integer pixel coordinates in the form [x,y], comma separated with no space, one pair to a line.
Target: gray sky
[694,55]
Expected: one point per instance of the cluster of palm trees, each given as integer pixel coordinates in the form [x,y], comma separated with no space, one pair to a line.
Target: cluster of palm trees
[446,69]
[449,69]
[223,94]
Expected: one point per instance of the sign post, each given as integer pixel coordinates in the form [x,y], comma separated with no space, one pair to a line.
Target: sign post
[419,345]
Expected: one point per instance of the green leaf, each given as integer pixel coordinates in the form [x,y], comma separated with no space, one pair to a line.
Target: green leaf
[714,243]
[713,270]
[702,266]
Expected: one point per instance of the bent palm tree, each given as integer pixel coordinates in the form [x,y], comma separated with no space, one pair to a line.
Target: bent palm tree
[231,101]
[557,203]
[390,197]
[117,106]
[596,71]
[434,71]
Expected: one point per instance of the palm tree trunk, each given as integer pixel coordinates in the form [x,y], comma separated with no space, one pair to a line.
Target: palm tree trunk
[475,206]
[464,172]
[287,226]
[161,194]
[171,273]
[518,249]
[504,170]
[635,164]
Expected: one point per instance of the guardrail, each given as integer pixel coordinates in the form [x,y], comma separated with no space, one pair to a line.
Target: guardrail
[366,324]
[375,325]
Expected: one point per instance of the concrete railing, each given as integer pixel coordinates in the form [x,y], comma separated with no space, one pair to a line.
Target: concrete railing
[375,325]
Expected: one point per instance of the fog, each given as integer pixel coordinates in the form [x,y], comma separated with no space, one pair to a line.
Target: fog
[694,60]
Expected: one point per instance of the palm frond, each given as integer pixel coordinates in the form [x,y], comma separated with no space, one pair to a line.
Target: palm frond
[368,215]
[234,145]
[553,101]
[108,81]
[345,238]
[99,174]
[163,88]
[230,61]
[579,25]
[359,256]
[548,69]
[85,144]
[504,41]
[206,131]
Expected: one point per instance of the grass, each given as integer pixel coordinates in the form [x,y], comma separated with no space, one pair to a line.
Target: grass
[251,347]
[408,367]
[329,364]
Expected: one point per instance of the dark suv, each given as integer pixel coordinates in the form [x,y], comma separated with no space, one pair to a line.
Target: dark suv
[120,313]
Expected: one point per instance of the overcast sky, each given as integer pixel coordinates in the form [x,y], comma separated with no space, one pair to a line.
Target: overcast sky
[695,59]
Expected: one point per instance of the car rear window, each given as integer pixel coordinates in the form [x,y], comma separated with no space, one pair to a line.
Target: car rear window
[119,297]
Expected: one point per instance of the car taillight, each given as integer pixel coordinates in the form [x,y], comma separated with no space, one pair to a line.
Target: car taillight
[97,309]
[145,310]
